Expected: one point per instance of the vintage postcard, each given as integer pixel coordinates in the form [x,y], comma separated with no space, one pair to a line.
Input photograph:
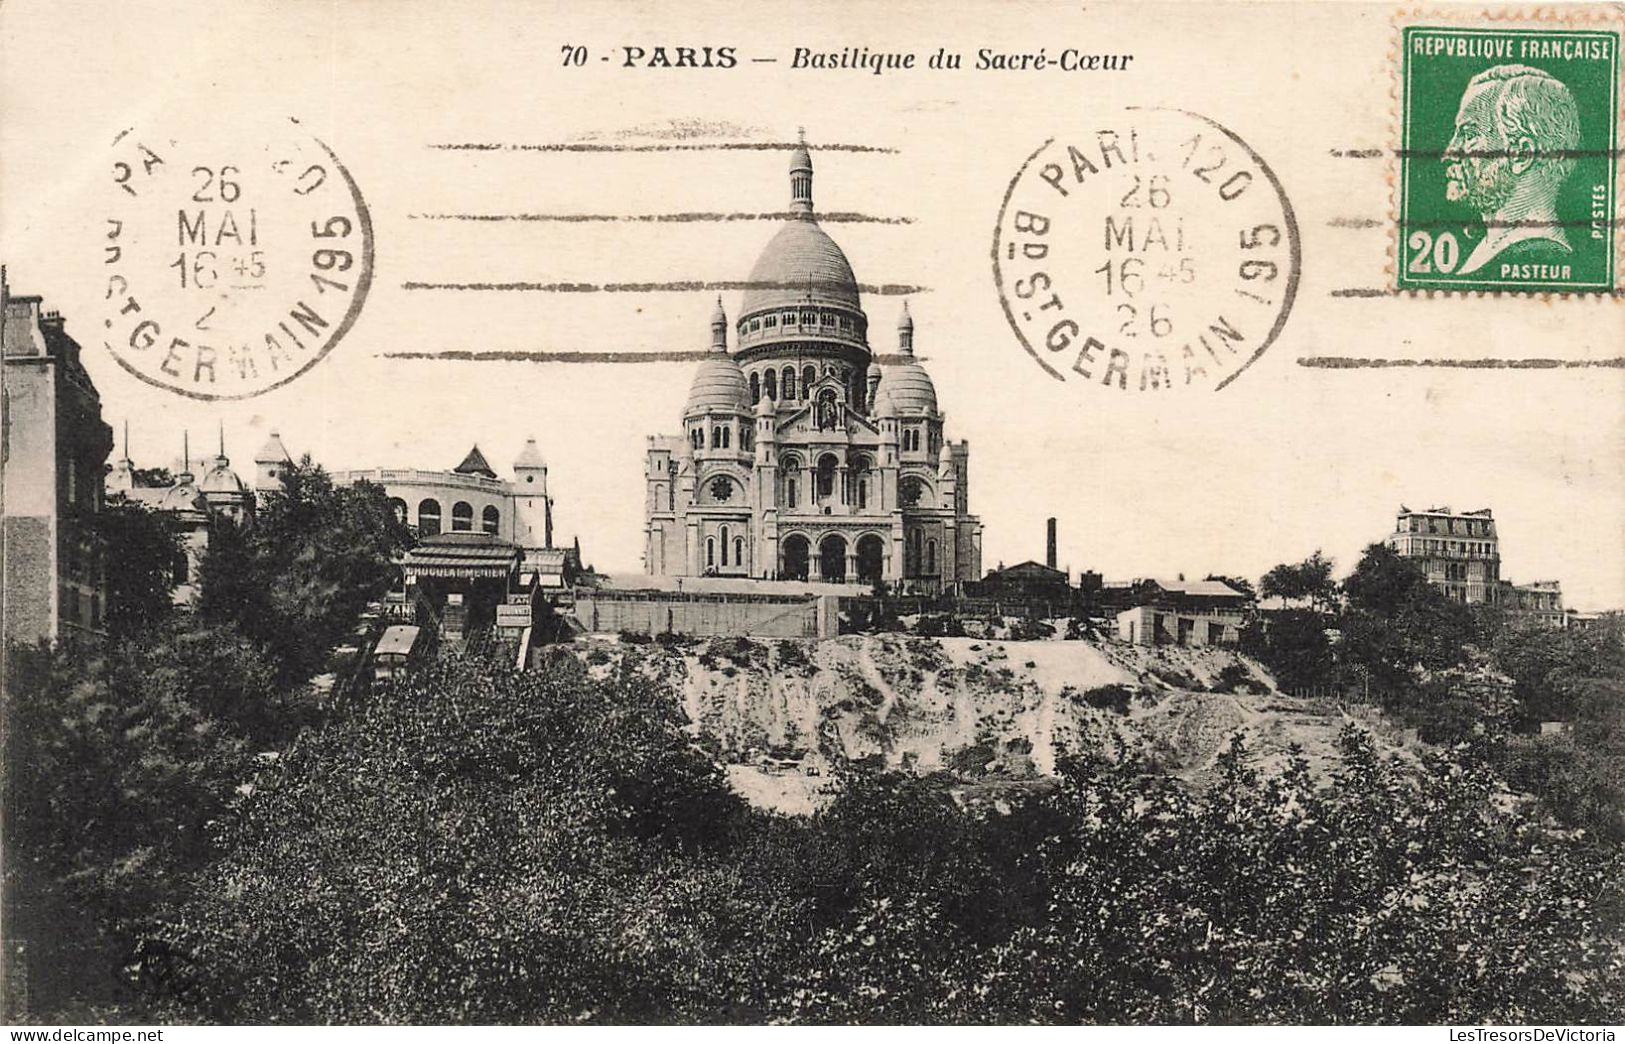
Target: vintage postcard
[812,513]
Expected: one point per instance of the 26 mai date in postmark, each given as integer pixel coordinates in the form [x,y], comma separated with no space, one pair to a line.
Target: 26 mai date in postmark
[229,269]
[1154,250]
[1507,158]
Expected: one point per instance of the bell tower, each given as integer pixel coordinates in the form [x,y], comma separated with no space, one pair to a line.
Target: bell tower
[533,508]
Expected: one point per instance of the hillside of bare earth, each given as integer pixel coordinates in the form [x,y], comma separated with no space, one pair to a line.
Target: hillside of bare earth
[989,712]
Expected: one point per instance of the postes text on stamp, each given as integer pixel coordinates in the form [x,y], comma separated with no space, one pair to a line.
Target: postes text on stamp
[1149,250]
[1507,170]
[228,269]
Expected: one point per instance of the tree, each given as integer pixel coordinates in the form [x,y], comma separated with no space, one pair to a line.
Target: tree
[1293,644]
[477,844]
[139,547]
[117,760]
[1309,580]
[297,580]
[1547,664]
[1396,623]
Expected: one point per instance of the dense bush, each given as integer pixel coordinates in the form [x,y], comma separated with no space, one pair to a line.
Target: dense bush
[475,844]
[117,760]
[939,625]
[480,845]
[295,581]
[1114,697]
[1235,677]
[1023,629]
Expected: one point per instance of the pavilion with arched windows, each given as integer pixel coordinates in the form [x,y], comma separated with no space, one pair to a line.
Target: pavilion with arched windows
[803,457]
[483,541]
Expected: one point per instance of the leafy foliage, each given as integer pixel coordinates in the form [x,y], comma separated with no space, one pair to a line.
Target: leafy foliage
[1309,580]
[117,760]
[1397,622]
[1294,645]
[138,546]
[481,845]
[296,581]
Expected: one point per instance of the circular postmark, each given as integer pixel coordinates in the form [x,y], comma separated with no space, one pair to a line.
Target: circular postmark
[1155,250]
[230,269]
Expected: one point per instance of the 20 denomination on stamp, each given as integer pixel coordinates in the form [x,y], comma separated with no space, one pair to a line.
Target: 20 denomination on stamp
[1152,251]
[230,270]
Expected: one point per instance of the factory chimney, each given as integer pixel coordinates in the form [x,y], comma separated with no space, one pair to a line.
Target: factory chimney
[1049,547]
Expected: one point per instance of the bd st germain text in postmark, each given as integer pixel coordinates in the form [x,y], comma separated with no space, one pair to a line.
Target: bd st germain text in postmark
[230,269]
[1148,251]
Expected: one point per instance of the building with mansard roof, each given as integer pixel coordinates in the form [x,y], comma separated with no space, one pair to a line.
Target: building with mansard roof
[1460,554]
[804,455]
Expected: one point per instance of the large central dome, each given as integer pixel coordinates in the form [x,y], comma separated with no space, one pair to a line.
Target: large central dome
[800,264]
[802,296]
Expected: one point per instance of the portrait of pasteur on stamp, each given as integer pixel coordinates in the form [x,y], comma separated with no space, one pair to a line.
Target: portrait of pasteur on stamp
[1515,187]
[819,514]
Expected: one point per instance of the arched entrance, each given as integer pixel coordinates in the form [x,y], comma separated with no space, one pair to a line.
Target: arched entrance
[832,558]
[871,558]
[797,553]
[825,478]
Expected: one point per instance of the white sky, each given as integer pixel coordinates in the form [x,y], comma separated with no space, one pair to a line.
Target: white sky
[1285,460]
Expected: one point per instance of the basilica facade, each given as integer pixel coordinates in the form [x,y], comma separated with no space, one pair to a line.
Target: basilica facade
[802,456]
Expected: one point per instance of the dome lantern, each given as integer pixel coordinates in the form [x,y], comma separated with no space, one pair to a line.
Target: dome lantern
[220,482]
[905,331]
[801,175]
[719,328]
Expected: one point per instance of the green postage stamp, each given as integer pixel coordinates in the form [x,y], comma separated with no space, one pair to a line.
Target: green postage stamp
[1507,163]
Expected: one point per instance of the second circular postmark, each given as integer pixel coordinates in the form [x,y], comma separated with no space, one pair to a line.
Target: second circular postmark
[230,266]
[1154,251]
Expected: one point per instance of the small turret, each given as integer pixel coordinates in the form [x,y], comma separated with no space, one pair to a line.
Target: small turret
[225,492]
[534,525]
[719,327]
[529,469]
[269,464]
[910,386]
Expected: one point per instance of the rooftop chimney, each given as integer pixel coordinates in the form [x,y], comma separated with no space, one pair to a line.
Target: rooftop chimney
[1049,546]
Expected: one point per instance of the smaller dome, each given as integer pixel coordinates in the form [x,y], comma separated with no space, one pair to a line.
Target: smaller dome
[183,496]
[221,479]
[719,384]
[885,408]
[909,388]
[764,407]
